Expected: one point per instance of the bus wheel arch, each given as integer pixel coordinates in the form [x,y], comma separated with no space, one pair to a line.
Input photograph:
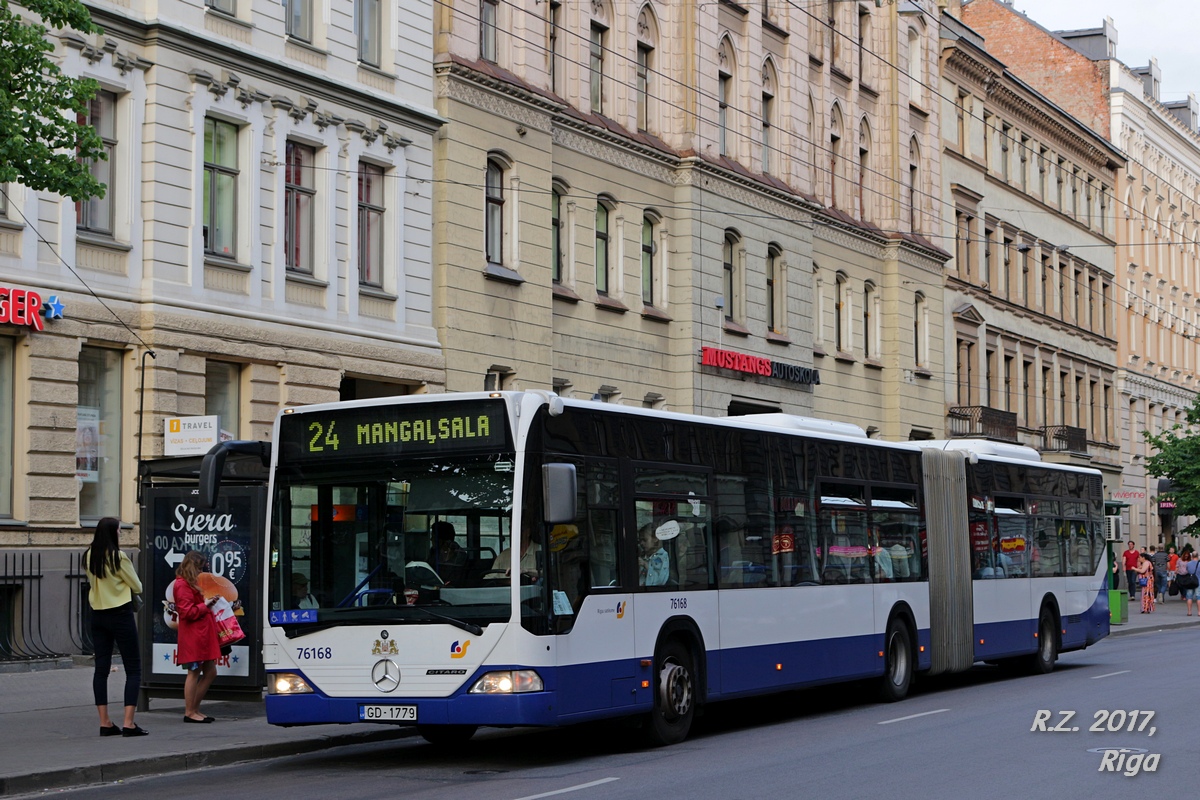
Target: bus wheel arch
[677,682]
[899,653]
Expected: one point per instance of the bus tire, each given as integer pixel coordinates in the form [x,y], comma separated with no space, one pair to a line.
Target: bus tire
[447,735]
[1042,661]
[898,662]
[674,695]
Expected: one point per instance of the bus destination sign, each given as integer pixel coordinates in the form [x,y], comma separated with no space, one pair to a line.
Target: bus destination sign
[386,430]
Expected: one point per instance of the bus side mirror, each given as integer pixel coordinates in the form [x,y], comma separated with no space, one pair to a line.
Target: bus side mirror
[213,466]
[558,493]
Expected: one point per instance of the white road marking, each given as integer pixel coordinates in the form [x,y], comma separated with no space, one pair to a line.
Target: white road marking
[1110,674]
[569,789]
[912,716]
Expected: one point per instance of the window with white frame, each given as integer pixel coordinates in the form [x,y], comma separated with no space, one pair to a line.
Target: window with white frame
[768,115]
[220,188]
[96,214]
[552,54]
[724,90]
[222,396]
[370,224]
[224,6]
[98,433]
[493,235]
[596,67]
[870,340]
[298,19]
[7,424]
[865,201]
[603,243]
[299,198]
[488,13]
[920,331]
[367,30]
[841,314]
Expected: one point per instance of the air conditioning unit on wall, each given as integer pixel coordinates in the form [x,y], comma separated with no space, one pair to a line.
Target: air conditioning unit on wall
[1112,529]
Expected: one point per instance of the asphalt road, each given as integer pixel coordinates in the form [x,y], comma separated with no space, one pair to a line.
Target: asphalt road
[967,735]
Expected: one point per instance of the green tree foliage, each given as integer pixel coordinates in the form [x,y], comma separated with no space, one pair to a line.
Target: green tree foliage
[1177,457]
[42,145]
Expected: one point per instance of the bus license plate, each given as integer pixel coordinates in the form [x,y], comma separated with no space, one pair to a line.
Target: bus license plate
[388,713]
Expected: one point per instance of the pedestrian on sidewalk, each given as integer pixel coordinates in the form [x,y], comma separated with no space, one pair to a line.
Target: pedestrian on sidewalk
[1160,560]
[1145,572]
[197,650]
[1190,565]
[112,583]
[1131,561]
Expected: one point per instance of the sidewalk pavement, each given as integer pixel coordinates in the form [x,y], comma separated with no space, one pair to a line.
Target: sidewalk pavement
[49,733]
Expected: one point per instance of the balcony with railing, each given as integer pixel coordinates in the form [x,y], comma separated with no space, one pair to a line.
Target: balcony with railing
[1064,439]
[982,422]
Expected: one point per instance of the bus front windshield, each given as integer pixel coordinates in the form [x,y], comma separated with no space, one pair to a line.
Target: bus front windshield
[411,541]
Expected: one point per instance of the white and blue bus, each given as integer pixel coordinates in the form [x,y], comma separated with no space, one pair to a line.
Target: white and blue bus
[521,559]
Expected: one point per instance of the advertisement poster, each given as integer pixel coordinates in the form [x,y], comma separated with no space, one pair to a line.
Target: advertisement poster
[228,537]
[87,444]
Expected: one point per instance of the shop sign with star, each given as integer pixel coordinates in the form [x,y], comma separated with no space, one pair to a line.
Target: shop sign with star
[26,308]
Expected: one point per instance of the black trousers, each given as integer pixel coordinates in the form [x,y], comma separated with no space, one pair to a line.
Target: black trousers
[116,625]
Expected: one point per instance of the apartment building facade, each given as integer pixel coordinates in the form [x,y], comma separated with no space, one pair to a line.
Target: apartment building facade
[705,207]
[1157,265]
[265,235]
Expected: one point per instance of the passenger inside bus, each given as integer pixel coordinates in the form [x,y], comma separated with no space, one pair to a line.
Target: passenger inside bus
[301,597]
[654,565]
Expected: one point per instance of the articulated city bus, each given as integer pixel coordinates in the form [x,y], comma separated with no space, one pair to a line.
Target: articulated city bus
[517,558]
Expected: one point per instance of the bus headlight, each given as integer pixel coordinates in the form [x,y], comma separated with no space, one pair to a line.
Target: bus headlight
[508,682]
[287,683]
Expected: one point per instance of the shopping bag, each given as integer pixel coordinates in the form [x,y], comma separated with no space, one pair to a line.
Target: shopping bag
[228,629]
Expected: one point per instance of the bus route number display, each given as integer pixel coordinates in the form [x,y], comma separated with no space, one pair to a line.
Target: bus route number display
[393,429]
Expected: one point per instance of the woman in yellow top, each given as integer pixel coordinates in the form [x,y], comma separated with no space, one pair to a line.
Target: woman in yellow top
[113,582]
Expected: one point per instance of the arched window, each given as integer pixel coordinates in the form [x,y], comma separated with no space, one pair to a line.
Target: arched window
[866,199]
[647,41]
[841,315]
[489,11]
[916,59]
[768,118]
[775,297]
[914,186]
[726,91]
[835,154]
[603,262]
[494,214]
[651,291]
[729,268]
[556,229]
[920,330]
[869,321]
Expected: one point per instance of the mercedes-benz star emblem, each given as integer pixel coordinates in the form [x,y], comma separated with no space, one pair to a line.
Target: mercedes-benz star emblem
[386,675]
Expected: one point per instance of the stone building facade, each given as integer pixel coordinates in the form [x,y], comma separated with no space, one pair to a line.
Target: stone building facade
[1157,267]
[266,233]
[1030,291]
[698,206]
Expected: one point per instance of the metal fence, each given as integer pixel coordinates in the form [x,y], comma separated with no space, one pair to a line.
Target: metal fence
[22,608]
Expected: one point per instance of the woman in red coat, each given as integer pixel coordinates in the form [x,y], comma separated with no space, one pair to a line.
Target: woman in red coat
[198,650]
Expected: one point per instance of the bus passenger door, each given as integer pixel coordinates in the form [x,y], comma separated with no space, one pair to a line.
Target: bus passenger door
[597,665]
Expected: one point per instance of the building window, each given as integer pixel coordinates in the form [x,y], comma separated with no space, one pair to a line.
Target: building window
[556,254]
[864,165]
[220,188]
[222,396]
[299,194]
[648,261]
[4,200]
[224,6]
[552,50]
[366,30]
[864,44]
[768,113]
[914,187]
[602,248]
[774,316]
[297,15]
[915,66]
[98,433]
[920,331]
[494,214]
[596,63]
[643,87]
[7,412]
[370,224]
[868,320]
[728,267]
[488,9]
[841,315]
[725,86]
[96,214]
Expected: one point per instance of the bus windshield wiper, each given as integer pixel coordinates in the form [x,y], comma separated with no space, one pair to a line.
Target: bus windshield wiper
[469,627]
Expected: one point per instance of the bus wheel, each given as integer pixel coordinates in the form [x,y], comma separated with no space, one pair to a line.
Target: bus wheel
[1042,662]
[446,735]
[674,696]
[897,668]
